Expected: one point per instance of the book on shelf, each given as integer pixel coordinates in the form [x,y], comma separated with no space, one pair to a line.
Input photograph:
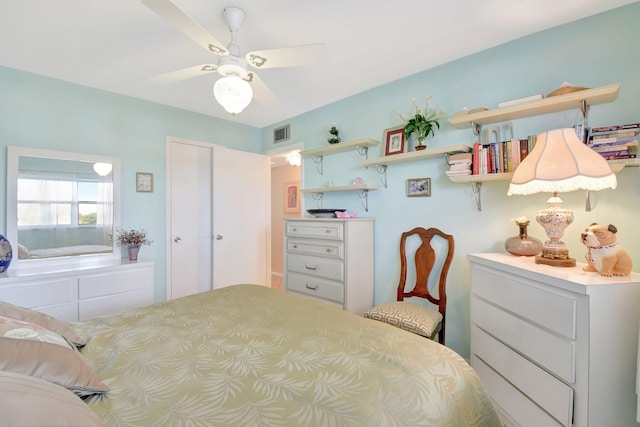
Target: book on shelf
[614,134]
[611,141]
[500,157]
[615,147]
[604,129]
[460,157]
[619,157]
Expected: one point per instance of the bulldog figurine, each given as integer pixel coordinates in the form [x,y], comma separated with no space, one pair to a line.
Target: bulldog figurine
[604,254]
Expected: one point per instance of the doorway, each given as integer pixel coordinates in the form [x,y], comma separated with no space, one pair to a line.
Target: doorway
[218,217]
[282,172]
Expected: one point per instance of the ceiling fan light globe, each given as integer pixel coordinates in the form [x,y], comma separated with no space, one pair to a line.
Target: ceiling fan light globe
[233,93]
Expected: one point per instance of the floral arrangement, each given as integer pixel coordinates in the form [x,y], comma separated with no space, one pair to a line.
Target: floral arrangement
[335,137]
[521,220]
[422,121]
[131,237]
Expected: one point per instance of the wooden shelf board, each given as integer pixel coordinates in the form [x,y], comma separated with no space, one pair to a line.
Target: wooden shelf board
[340,147]
[341,188]
[481,178]
[417,155]
[553,104]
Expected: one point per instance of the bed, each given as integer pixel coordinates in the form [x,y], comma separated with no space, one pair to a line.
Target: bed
[247,355]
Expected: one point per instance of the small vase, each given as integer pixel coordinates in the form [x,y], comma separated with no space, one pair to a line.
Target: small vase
[523,244]
[6,254]
[133,252]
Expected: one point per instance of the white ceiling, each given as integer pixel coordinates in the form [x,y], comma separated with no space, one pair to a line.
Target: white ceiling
[117,45]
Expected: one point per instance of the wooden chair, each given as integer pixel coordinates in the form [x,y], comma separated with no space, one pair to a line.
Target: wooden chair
[419,319]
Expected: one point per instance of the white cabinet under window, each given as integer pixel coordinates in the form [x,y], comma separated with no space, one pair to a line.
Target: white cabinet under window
[72,294]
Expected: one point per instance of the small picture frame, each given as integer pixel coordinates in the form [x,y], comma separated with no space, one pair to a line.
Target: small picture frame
[394,141]
[419,187]
[144,182]
[292,197]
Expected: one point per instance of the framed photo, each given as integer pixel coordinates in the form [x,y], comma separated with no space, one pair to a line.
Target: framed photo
[394,142]
[292,197]
[144,182]
[419,187]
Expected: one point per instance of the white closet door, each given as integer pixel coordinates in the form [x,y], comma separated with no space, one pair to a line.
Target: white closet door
[242,218]
[190,186]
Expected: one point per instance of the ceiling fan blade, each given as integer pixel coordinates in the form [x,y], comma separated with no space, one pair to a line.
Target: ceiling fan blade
[261,91]
[287,56]
[185,73]
[188,26]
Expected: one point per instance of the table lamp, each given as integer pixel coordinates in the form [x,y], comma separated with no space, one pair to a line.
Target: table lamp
[559,162]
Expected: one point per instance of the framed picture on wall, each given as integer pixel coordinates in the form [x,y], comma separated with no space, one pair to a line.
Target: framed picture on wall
[144,182]
[394,141]
[419,187]
[292,197]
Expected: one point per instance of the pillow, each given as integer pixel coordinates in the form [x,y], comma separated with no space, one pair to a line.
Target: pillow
[408,316]
[30,349]
[32,402]
[44,320]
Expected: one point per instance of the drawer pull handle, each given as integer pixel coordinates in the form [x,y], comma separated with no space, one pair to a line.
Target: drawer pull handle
[328,250]
[327,231]
[313,287]
[295,246]
[310,267]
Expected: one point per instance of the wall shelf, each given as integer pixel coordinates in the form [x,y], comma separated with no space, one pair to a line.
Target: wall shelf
[581,99]
[362,189]
[553,104]
[317,154]
[381,163]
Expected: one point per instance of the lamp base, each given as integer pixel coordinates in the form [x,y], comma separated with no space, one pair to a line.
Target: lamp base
[557,257]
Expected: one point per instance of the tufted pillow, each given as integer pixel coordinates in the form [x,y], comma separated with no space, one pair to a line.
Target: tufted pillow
[32,402]
[44,320]
[30,349]
[408,316]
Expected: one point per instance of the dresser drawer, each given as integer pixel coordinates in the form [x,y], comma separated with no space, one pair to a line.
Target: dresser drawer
[325,289]
[316,266]
[113,283]
[317,230]
[550,309]
[316,247]
[548,392]
[520,410]
[552,352]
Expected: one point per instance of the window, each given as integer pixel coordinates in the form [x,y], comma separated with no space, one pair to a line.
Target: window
[60,200]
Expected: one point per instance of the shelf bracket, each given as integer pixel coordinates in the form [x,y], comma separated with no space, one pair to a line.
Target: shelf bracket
[318,161]
[318,199]
[363,151]
[584,107]
[382,171]
[587,206]
[476,187]
[364,199]
[476,128]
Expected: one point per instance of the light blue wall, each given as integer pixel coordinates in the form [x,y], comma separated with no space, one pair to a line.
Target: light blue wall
[40,112]
[593,52]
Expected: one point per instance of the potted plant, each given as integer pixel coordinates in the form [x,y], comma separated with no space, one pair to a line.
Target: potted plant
[422,122]
[132,239]
[335,137]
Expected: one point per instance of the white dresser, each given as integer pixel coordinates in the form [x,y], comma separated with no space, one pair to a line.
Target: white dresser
[331,260]
[81,292]
[555,346]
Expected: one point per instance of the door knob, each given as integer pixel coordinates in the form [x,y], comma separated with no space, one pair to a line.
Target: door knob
[218,237]
[177,240]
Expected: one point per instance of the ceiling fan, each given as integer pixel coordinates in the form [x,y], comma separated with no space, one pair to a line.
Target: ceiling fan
[234,89]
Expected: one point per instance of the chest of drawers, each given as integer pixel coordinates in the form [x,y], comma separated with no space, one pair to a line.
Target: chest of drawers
[72,294]
[330,260]
[555,346]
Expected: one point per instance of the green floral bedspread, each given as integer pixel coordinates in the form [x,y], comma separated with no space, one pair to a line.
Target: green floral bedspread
[247,355]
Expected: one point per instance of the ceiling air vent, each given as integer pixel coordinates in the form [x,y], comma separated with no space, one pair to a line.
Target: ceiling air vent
[281,134]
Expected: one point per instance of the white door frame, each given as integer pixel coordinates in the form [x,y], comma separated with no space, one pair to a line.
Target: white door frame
[168,200]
